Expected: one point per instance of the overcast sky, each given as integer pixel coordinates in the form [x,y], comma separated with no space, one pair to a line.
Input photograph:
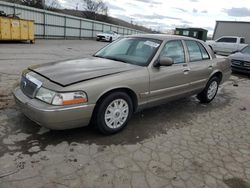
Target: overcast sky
[164,15]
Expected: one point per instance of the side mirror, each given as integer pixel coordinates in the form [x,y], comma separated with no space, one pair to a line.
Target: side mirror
[166,61]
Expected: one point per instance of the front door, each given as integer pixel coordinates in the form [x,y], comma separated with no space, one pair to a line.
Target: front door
[170,81]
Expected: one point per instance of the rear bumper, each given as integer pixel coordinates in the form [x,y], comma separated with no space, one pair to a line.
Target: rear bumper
[53,117]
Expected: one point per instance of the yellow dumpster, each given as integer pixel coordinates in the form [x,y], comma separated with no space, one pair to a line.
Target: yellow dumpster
[16,29]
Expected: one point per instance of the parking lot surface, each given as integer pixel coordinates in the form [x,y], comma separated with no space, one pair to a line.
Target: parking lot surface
[180,144]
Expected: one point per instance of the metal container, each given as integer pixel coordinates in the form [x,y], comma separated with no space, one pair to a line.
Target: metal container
[16,29]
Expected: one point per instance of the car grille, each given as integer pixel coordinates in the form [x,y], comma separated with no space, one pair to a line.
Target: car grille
[29,88]
[240,63]
[101,37]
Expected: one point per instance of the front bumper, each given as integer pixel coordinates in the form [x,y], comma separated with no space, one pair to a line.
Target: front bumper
[53,117]
[102,38]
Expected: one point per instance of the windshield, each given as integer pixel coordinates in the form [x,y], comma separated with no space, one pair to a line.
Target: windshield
[246,50]
[138,51]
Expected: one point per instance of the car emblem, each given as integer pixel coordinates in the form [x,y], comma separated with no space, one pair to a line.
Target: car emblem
[24,84]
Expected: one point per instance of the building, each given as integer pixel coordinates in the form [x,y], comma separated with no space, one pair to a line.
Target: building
[232,28]
[197,33]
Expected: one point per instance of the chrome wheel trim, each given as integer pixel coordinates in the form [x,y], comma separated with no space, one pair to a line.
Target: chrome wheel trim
[116,113]
[212,89]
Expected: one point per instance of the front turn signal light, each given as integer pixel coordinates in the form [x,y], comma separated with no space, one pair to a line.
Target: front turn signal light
[70,98]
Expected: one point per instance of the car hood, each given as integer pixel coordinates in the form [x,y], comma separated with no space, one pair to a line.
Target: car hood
[240,56]
[73,71]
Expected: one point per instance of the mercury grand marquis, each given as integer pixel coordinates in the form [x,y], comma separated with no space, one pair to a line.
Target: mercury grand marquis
[130,74]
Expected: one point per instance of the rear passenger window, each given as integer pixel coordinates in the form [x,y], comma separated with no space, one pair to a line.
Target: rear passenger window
[231,40]
[204,52]
[193,51]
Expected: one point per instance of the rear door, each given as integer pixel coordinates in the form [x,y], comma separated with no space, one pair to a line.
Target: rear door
[200,64]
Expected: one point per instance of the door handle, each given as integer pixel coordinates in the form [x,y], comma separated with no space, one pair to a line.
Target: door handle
[186,70]
[210,67]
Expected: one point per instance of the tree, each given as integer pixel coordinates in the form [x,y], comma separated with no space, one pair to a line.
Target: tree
[94,7]
[48,4]
[33,3]
[52,4]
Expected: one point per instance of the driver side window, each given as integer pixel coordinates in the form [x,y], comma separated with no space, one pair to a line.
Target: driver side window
[175,51]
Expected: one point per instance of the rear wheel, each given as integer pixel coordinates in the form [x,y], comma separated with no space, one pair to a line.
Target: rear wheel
[210,91]
[113,113]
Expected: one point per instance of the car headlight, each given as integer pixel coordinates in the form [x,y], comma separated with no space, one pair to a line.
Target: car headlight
[66,98]
[45,95]
[70,98]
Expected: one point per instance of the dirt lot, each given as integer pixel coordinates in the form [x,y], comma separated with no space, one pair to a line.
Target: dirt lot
[180,144]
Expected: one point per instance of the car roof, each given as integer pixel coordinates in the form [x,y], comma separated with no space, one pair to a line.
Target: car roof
[162,37]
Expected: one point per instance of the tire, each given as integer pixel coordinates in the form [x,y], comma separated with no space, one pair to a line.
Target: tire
[101,117]
[210,91]
[110,39]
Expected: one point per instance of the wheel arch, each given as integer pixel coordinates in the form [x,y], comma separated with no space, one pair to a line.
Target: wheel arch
[126,90]
[217,74]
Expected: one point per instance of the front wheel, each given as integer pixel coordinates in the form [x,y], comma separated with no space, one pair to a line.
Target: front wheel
[113,113]
[210,91]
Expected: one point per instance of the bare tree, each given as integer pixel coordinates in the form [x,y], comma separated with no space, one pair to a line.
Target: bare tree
[33,3]
[14,1]
[94,7]
[52,4]
[48,4]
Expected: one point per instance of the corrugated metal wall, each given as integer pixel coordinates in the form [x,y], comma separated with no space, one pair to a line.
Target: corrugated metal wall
[231,28]
[53,25]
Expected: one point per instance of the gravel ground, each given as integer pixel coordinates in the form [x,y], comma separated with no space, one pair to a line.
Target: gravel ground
[180,144]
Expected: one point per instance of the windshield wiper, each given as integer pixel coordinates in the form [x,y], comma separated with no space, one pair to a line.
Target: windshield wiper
[116,59]
[98,56]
